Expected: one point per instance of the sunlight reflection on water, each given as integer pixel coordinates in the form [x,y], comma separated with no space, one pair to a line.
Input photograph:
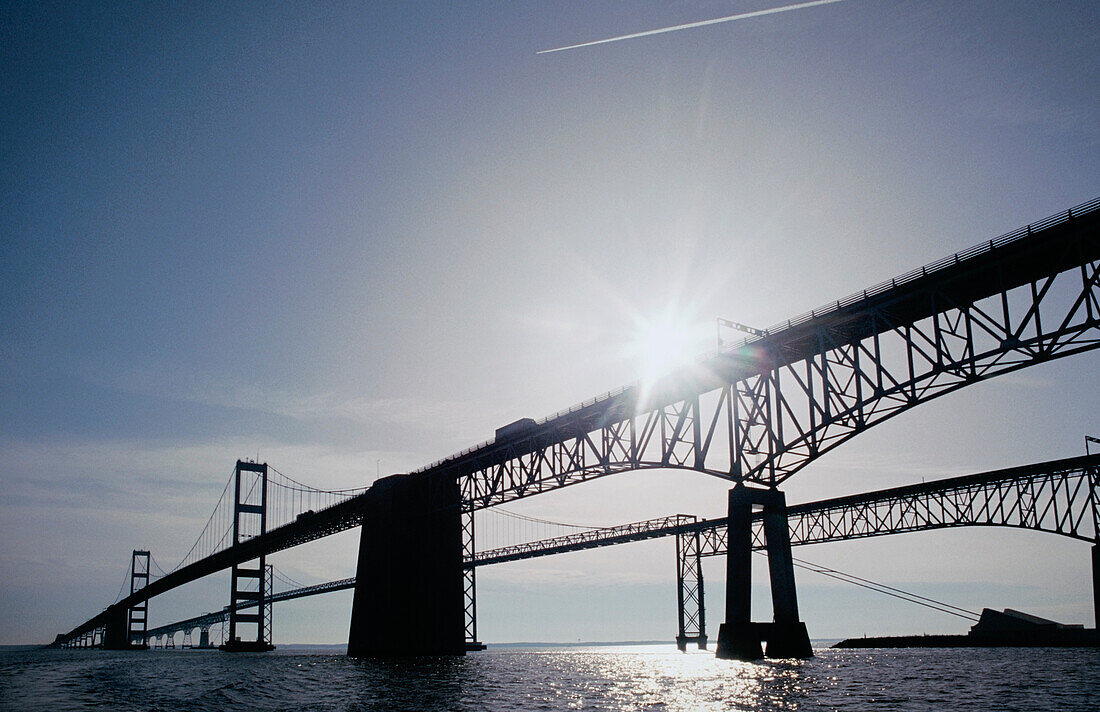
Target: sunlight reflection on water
[654,679]
[634,678]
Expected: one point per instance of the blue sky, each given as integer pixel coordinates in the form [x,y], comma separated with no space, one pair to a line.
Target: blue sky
[350,237]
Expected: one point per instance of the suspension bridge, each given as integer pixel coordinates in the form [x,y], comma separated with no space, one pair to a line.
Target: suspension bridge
[755,414]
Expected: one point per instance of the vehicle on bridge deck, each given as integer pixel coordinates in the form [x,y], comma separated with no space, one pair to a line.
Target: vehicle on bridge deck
[519,427]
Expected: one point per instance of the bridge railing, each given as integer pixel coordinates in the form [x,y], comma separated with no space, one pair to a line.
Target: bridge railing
[932,267]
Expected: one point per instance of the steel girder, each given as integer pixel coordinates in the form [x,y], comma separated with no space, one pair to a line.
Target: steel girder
[209,619]
[794,413]
[764,410]
[1057,498]
[586,539]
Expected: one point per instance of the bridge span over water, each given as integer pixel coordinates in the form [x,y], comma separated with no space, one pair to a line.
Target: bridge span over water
[754,414]
[1058,497]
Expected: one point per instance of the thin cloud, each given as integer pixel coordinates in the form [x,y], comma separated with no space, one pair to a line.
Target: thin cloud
[691,25]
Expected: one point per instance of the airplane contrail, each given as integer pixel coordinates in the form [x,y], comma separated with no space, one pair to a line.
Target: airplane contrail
[701,23]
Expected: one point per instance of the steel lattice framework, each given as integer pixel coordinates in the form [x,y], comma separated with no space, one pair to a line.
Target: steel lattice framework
[690,606]
[1056,497]
[766,409]
[1059,497]
[762,411]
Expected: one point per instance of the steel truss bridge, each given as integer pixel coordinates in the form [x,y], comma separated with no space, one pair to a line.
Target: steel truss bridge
[759,412]
[206,620]
[1058,497]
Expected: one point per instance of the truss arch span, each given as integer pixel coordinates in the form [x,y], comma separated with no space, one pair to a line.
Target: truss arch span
[763,410]
[1061,497]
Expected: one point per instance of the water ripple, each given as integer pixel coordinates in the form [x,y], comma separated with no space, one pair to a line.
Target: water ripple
[627,679]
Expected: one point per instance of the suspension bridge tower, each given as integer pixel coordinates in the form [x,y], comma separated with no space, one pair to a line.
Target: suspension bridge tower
[251,580]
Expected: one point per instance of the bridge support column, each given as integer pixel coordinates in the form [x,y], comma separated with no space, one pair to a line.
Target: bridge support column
[250,585]
[691,607]
[1096,585]
[409,596]
[138,616]
[116,633]
[739,638]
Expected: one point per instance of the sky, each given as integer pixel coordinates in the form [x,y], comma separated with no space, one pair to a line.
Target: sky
[349,239]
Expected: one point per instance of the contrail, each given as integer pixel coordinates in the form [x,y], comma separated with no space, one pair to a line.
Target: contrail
[702,23]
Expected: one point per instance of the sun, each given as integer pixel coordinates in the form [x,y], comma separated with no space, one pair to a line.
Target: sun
[663,344]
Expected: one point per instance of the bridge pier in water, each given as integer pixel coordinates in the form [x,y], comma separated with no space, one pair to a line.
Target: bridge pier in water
[1096,581]
[409,579]
[115,631]
[738,637]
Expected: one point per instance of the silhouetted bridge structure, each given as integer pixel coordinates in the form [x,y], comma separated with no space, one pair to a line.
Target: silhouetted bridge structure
[1058,497]
[754,414]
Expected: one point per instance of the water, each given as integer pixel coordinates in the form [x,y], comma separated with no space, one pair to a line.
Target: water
[597,678]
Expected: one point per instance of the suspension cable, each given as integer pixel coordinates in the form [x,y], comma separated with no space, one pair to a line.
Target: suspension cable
[536,520]
[884,589]
[125,575]
[822,570]
[285,578]
[208,521]
[154,562]
[308,488]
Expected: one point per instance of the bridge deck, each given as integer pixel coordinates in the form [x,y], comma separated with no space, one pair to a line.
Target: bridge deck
[337,518]
[1029,254]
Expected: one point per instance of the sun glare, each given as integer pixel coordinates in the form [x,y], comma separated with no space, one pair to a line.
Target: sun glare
[663,344]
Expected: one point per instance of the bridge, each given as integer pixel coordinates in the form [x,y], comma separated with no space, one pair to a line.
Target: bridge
[1059,497]
[754,414]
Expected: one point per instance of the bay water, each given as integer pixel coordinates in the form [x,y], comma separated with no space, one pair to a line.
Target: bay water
[641,677]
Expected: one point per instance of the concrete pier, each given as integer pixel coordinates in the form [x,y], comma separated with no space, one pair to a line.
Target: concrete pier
[116,631]
[408,592]
[738,637]
[1096,585]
